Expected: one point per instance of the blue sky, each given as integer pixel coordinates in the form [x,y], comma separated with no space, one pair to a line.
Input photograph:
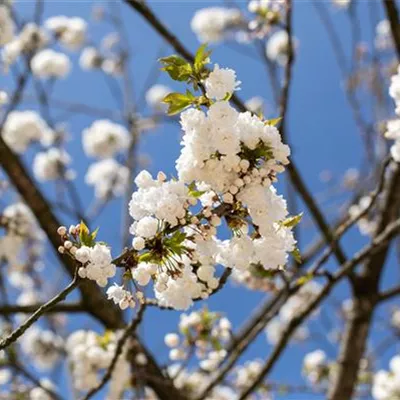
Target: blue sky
[321,130]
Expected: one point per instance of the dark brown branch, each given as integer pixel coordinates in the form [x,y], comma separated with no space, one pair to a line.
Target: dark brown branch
[389,294]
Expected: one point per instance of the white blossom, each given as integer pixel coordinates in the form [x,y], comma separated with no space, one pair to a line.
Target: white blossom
[7,26]
[108,177]
[90,354]
[97,263]
[44,347]
[21,128]
[212,24]
[220,83]
[50,64]
[386,384]
[155,95]
[104,139]
[383,38]
[90,58]
[52,165]
[120,296]
[71,32]
[277,46]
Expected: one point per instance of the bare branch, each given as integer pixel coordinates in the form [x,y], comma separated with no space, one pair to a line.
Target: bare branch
[38,313]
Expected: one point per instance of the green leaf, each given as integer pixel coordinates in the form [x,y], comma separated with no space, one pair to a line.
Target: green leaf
[292,221]
[177,67]
[201,58]
[273,122]
[85,237]
[93,235]
[178,101]
[296,255]
[193,192]
[304,279]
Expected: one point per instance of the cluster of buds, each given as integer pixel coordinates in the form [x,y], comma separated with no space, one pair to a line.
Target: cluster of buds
[70,239]
[95,258]
[267,13]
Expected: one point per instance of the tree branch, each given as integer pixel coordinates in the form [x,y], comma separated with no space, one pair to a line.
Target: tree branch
[38,313]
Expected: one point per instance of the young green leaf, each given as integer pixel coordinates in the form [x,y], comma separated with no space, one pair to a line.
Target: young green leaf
[292,221]
[202,58]
[296,255]
[178,102]
[177,67]
[273,122]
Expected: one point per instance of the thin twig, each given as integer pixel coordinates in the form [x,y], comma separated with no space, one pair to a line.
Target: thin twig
[38,313]
[129,331]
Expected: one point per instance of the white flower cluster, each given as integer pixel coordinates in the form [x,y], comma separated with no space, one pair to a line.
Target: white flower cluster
[247,373]
[395,319]
[383,38]
[289,310]
[253,279]
[366,225]
[121,297]
[21,128]
[155,95]
[104,139]
[51,165]
[90,353]
[221,83]
[7,26]
[266,13]
[96,263]
[193,383]
[108,177]
[20,226]
[31,38]
[205,330]
[386,384]
[344,4]
[315,366]
[229,159]
[90,58]
[213,24]
[3,98]
[153,206]
[93,59]
[40,392]
[393,127]
[277,47]
[50,64]
[71,32]
[179,292]
[166,201]
[44,347]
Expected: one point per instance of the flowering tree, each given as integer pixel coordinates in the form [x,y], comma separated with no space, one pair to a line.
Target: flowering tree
[219,224]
